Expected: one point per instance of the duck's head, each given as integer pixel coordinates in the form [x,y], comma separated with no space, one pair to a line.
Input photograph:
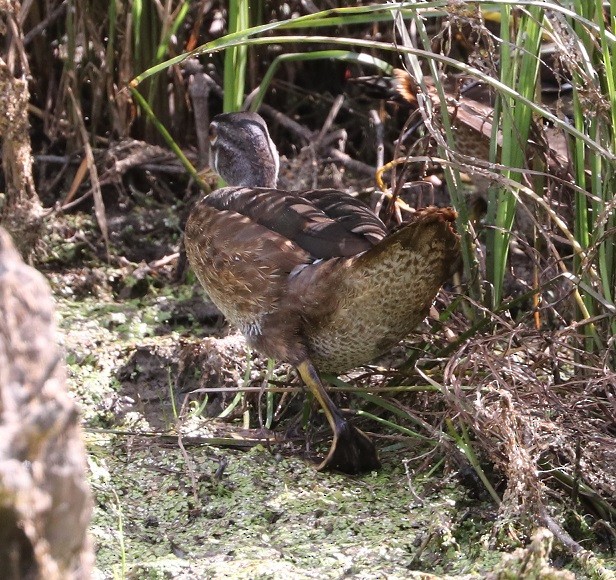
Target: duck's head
[242,152]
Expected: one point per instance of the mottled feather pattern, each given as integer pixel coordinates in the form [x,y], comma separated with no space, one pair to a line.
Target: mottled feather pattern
[233,133]
[384,293]
[326,230]
[242,265]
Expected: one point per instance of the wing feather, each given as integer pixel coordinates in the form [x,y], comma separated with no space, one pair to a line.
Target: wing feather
[324,223]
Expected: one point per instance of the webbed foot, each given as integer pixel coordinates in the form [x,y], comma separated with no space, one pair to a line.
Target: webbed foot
[351,452]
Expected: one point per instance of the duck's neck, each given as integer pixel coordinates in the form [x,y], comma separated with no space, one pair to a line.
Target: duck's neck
[263,170]
[267,163]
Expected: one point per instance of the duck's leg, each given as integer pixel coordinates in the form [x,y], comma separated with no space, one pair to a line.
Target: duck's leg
[351,450]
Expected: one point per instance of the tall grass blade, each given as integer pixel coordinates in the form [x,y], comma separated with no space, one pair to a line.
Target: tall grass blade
[519,68]
[236,58]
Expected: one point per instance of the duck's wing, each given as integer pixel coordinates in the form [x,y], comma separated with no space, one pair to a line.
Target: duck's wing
[324,223]
[351,213]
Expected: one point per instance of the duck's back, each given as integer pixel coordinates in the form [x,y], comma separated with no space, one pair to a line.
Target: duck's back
[249,247]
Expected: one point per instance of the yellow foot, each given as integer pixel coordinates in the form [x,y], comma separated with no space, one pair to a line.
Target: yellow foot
[351,452]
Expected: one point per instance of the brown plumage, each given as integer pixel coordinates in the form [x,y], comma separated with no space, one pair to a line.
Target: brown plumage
[312,278]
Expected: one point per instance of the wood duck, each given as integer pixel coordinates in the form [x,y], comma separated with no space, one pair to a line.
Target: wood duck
[312,278]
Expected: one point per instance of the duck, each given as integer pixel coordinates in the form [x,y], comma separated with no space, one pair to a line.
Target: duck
[312,278]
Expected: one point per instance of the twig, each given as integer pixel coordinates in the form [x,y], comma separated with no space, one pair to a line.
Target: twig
[44,24]
[286,122]
[331,116]
[305,134]
[379,133]
[164,260]
[99,206]
[587,559]
[199,89]
[349,162]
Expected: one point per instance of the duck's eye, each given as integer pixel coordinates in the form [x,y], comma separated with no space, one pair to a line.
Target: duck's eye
[213,133]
